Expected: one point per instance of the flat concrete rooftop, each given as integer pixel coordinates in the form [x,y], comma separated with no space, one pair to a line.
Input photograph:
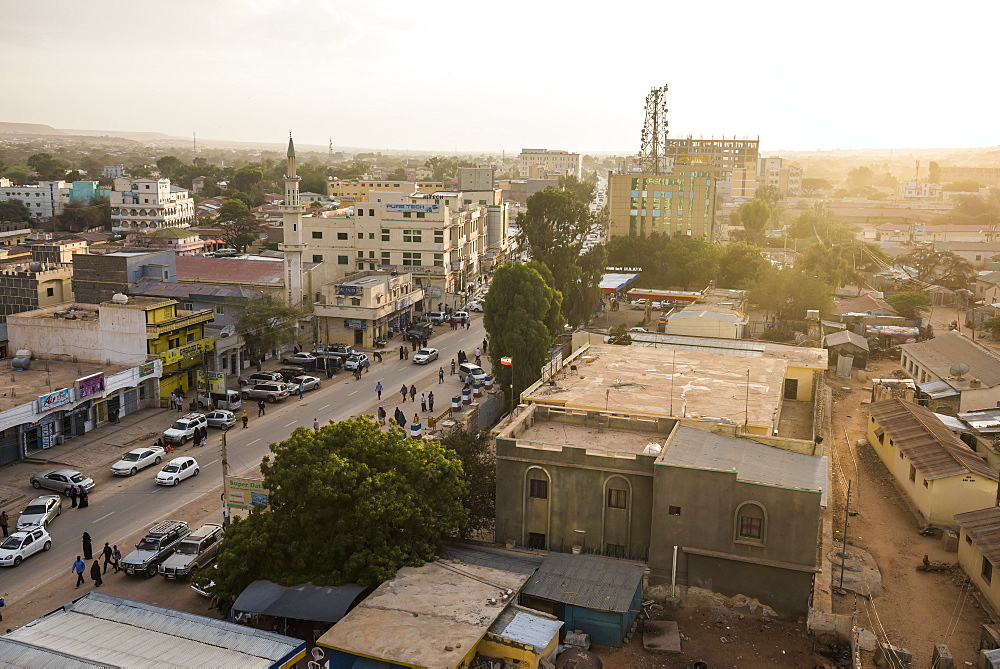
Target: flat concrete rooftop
[552,435]
[413,617]
[680,383]
[19,387]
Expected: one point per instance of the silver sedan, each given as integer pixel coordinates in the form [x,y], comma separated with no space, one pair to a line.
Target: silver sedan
[40,512]
[61,480]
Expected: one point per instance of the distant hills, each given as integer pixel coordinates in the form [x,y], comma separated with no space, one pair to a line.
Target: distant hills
[7,128]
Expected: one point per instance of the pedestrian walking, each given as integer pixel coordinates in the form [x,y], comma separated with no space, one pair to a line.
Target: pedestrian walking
[246,419]
[440,374]
[72,496]
[484,345]
[95,573]
[88,550]
[302,389]
[381,415]
[357,373]
[366,365]
[401,419]
[402,351]
[468,322]
[78,568]
[430,401]
[423,402]
[403,391]
[261,408]
[413,393]
[406,353]
[315,424]
[453,365]
[84,498]
[115,417]
[378,389]
[108,556]
[204,436]
[4,523]
[116,555]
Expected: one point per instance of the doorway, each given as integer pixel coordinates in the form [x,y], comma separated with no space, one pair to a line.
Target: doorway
[359,337]
[791,389]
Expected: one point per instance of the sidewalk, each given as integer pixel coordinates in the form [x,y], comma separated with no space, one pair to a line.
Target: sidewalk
[89,453]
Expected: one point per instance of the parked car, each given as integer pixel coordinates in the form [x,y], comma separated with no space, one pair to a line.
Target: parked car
[20,545]
[461,315]
[184,427]
[436,317]
[155,547]
[227,400]
[40,512]
[177,470]
[474,305]
[473,370]
[355,361]
[301,358]
[221,418]
[420,331]
[137,459]
[425,355]
[194,551]
[637,329]
[272,392]
[260,377]
[289,373]
[61,480]
[308,383]
[638,304]
[334,351]
[226,253]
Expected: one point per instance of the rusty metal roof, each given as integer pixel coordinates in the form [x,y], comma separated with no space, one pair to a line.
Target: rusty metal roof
[586,581]
[983,526]
[941,353]
[931,447]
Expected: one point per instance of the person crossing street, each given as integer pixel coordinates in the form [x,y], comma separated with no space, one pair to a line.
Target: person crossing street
[378,390]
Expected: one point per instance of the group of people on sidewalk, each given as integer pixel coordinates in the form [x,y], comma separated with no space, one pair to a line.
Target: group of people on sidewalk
[112,556]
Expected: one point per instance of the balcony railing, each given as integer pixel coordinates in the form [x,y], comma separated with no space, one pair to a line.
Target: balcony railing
[183,320]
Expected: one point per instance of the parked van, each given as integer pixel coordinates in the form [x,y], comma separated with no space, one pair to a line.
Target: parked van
[473,370]
[228,400]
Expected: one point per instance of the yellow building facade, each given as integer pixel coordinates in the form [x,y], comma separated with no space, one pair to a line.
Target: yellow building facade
[979,551]
[678,202]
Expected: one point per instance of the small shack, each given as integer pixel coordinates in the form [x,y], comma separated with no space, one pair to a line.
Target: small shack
[847,344]
[597,595]
[304,611]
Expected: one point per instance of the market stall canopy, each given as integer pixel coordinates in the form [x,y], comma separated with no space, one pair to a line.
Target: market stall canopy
[301,602]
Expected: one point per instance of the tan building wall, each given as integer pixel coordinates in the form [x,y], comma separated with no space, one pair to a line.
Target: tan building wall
[937,500]
[679,202]
[358,190]
[971,559]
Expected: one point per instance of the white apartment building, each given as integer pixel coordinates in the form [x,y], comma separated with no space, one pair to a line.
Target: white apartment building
[538,163]
[145,205]
[781,174]
[921,190]
[45,199]
[440,238]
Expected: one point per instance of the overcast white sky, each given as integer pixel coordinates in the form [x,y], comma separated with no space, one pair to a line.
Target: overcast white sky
[476,75]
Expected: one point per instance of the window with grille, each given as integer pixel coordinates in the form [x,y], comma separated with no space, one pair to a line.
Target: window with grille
[411,259]
[412,235]
[617,499]
[750,523]
[538,488]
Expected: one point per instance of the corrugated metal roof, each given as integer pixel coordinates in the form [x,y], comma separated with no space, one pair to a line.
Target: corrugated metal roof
[845,337]
[752,462]
[931,447]
[983,526]
[158,288]
[112,630]
[985,420]
[19,654]
[534,630]
[682,343]
[708,314]
[233,270]
[941,353]
[587,581]
[864,304]
[951,422]
[937,389]
[517,564]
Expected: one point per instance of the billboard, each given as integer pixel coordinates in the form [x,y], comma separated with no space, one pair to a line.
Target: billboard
[245,493]
[90,386]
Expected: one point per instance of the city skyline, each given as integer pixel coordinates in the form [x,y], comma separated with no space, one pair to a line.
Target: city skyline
[486,78]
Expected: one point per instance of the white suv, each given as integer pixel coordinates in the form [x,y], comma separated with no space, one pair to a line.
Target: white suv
[183,428]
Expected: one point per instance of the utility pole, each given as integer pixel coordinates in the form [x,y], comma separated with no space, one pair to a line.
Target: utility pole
[847,519]
[225,477]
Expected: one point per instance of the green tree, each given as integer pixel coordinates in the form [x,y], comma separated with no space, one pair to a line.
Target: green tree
[247,179]
[522,322]
[266,324]
[741,266]
[399,174]
[770,195]
[944,268]
[49,168]
[934,172]
[619,336]
[169,167]
[14,211]
[555,227]
[581,190]
[479,472]
[237,224]
[992,325]
[813,185]
[754,216]
[908,303]
[859,178]
[690,262]
[77,217]
[789,293]
[347,504]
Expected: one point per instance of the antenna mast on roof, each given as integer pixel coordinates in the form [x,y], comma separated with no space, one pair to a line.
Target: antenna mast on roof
[654,132]
[194,141]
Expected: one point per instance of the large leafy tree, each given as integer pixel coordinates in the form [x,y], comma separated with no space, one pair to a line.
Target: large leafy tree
[741,266]
[789,293]
[555,226]
[247,179]
[754,216]
[690,262]
[77,217]
[944,268]
[14,211]
[170,167]
[50,168]
[347,504]
[238,226]
[582,190]
[266,324]
[908,303]
[522,322]
[479,471]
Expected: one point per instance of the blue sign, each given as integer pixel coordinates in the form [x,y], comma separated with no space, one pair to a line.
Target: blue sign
[349,290]
[412,207]
[53,400]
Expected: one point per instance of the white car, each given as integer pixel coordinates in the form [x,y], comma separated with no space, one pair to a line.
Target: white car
[308,383]
[177,470]
[639,304]
[221,418]
[40,512]
[637,329]
[425,355]
[138,459]
[474,305]
[355,361]
[461,315]
[24,544]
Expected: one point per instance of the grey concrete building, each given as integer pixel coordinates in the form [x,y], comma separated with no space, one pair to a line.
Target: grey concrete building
[744,516]
[96,278]
[30,285]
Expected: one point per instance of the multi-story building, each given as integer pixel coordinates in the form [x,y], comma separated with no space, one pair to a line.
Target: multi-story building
[541,163]
[34,285]
[96,278]
[723,155]
[86,192]
[986,175]
[476,178]
[921,190]
[144,205]
[113,171]
[57,250]
[14,232]
[779,173]
[677,202]
[354,191]
[365,306]
[179,240]
[44,199]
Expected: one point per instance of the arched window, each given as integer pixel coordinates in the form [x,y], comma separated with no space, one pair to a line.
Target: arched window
[751,524]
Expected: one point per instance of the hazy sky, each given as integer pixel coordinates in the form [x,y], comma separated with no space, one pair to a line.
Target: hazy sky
[477,75]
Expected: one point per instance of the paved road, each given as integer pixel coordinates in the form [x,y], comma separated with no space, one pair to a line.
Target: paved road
[122,507]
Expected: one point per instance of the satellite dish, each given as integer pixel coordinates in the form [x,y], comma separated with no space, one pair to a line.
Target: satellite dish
[959,369]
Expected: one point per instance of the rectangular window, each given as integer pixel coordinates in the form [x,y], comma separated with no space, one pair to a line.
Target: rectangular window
[361,254]
[371,235]
[421,214]
[674,510]
[386,258]
[411,259]
[913,473]
[317,234]
[385,235]
[412,235]
[538,488]
[361,235]
[371,212]
[439,236]
[987,572]
[536,540]
[439,260]
[317,257]
[361,212]
[750,527]
[50,292]
[617,499]
[342,260]
[220,309]
[407,214]
[342,235]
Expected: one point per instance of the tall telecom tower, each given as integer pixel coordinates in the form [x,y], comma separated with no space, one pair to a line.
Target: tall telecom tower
[654,132]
